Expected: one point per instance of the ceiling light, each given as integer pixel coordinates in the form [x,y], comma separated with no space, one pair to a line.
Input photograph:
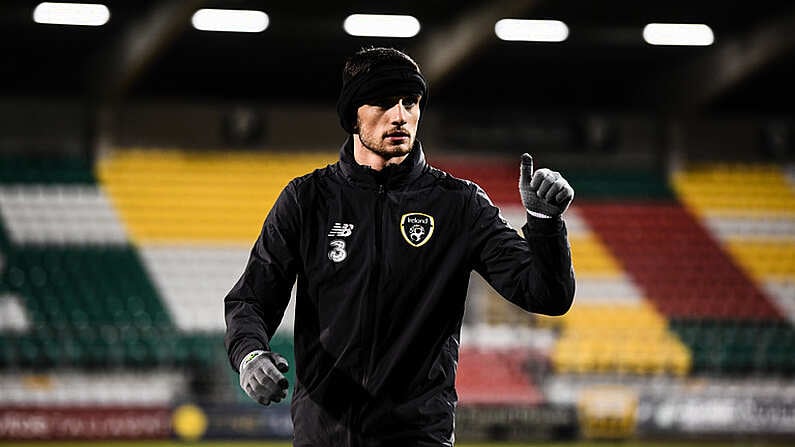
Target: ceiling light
[85,14]
[531,30]
[678,34]
[230,20]
[381,25]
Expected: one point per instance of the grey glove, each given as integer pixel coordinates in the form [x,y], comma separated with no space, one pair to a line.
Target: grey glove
[261,376]
[544,193]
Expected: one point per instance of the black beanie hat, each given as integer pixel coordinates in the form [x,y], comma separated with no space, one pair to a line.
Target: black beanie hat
[378,82]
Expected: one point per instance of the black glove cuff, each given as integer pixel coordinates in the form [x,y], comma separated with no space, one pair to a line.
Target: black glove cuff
[537,226]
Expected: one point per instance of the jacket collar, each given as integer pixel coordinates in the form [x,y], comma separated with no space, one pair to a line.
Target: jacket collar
[391,176]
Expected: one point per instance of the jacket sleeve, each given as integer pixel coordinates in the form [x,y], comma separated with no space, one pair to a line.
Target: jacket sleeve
[255,305]
[536,272]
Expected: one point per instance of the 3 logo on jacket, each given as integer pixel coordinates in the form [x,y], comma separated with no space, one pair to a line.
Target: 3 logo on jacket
[416,228]
[337,251]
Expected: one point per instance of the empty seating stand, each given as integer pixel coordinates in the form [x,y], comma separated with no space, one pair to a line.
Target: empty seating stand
[86,304]
[738,346]
[692,280]
[626,338]
[750,210]
[169,196]
[45,170]
[680,267]
[495,377]
[86,296]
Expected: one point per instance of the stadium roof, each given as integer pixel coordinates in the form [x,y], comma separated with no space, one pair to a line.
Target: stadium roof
[148,49]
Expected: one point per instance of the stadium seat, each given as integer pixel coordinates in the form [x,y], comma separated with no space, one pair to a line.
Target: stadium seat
[737,346]
[77,293]
[503,382]
[45,170]
[618,338]
[168,196]
[669,254]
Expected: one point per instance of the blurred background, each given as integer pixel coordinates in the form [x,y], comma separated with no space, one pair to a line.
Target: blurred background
[142,143]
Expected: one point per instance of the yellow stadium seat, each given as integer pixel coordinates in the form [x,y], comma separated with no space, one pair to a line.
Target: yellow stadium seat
[171,196]
[736,190]
[622,338]
[754,197]
[591,258]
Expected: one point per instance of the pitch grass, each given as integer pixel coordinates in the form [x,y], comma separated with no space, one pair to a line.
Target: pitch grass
[175,443]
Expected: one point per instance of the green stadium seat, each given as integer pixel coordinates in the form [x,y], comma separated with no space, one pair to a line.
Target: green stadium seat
[70,170]
[738,347]
[98,300]
[8,354]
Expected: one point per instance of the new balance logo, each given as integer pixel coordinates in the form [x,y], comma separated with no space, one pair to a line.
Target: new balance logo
[341,230]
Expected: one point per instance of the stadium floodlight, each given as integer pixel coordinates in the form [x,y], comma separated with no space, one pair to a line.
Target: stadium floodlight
[690,34]
[531,30]
[230,20]
[381,25]
[83,14]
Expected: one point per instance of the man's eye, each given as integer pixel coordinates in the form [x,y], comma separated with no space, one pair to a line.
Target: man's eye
[385,103]
[388,103]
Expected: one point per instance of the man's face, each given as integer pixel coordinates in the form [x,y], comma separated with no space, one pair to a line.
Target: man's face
[388,126]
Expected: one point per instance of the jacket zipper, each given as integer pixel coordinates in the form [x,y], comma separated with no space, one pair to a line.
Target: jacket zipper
[370,301]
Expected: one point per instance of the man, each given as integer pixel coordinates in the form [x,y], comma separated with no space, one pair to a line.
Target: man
[383,245]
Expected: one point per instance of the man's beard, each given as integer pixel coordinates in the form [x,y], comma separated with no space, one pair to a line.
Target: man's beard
[381,146]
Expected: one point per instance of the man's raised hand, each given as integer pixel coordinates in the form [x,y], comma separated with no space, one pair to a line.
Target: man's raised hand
[545,193]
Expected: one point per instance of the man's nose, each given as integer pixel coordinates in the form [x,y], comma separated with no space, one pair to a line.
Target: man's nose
[399,113]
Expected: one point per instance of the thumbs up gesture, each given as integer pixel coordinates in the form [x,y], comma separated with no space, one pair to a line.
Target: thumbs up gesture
[545,193]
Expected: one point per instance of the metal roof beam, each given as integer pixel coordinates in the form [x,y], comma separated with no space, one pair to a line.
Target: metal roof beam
[445,49]
[138,46]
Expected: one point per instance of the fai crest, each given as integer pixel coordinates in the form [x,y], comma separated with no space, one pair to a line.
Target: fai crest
[416,228]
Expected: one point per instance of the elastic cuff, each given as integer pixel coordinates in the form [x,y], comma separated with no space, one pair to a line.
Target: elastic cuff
[544,226]
[249,357]
[538,215]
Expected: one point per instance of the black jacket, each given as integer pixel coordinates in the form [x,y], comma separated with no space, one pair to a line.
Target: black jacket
[383,262]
